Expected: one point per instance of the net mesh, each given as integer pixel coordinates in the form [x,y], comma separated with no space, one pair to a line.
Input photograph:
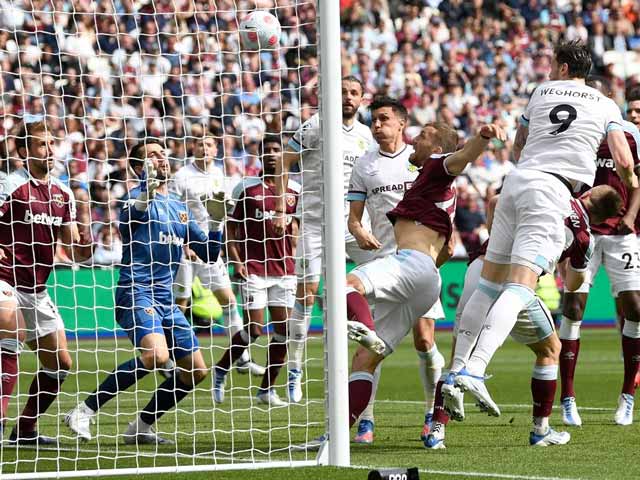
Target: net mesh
[105,75]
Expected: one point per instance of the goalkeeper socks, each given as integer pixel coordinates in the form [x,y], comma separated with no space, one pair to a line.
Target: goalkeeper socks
[358,309]
[472,319]
[543,390]
[360,386]
[367,414]
[298,328]
[430,370]
[42,392]
[276,357]
[631,355]
[440,415]
[167,396]
[9,353]
[239,344]
[119,380]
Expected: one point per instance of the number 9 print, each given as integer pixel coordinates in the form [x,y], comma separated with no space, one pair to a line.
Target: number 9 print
[564,123]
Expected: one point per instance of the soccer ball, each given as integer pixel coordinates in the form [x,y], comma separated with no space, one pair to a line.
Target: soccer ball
[260,30]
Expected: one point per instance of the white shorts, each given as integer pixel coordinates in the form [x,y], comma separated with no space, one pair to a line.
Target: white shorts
[214,276]
[436,312]
[620,256]
[402,286]
[41,317]
[528,223]
[527,330]
[309,253]
[260,292]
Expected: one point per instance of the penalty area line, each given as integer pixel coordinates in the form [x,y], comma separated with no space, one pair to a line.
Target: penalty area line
[454,473]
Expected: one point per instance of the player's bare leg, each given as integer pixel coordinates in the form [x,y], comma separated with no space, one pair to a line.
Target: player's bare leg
[12,336]
[630,301]
[573,307]
[543,391]
[360,324]
[233,321]
[191,371]
[363,364]
[299,321]
[55,364]
[478,307]
[275,357]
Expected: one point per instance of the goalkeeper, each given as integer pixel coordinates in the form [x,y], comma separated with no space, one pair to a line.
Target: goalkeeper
[154,228]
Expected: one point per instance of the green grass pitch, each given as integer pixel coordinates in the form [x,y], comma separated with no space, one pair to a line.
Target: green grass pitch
[480,445]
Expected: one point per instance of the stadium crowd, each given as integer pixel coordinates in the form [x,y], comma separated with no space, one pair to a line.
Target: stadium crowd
[113,71]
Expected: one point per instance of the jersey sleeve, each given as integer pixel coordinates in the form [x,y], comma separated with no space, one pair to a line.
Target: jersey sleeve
[5,198]
[206,246]
[357,188]
[581,251]
[177,186]
[237,211]
[614,117]
[526,115]
[437,168]
[70,212]
[307,136]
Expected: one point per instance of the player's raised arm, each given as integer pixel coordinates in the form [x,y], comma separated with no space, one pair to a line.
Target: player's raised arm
[474,147]
[621,154]
[289,159]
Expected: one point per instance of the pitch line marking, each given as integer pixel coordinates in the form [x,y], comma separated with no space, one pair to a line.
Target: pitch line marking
[473,474]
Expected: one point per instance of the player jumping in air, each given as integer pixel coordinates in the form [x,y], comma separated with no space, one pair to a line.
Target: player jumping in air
[36,210]
[265,263]
[154,227]
[378,181]
[404,285]
[535,331]
[304,149]
[556,143]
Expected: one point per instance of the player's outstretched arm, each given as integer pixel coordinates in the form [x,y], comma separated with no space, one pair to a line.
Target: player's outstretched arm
[366,240]
[289,159]
[622,157]
[233,251]
[572,279]
[474,147]
[206,246]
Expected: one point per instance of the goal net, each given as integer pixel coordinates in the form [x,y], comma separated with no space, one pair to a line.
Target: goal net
[105,76]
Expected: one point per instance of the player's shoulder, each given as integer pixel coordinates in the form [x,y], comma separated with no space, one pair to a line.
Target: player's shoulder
[14,181]
[312,123]
[62,186]
[244,185]
[631,128]
[362,130]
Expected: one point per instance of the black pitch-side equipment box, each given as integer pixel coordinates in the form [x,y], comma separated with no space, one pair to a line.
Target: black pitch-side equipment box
[394,474]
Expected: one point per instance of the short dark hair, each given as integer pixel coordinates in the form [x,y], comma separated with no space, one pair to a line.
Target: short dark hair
[353,78]
[606,202]
[381,101]
[447,136]
[576,55]
[270,138]
[138,153]
[601,84]
[634,94]
[25,132]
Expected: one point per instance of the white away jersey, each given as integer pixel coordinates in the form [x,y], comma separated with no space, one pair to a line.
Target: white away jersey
[356,140]
[567,122]
[380,180]
[191,184]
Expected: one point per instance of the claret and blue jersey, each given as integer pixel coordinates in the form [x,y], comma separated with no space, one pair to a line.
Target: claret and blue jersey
[153,242]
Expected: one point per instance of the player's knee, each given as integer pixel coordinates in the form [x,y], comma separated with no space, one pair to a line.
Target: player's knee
[550,349]
[573,308]
[364,360]
[356,284]
[199,375]
[64,363]
[21,336]
[423,343]
[154,359]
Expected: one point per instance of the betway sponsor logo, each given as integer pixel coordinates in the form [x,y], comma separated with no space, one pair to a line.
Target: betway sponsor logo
[170,239]
[269,215]
[42,218]
[397,187]
[605,163]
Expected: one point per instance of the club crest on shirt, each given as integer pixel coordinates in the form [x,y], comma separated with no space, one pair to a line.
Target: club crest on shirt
[148,311]
[412,168]
[183,217]
[58,199]
[291,200]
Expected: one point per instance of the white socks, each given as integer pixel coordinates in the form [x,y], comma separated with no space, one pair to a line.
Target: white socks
[501,319]
[472,319]
[233,321]
[569,329]
[431,364]
[367,414]
[298,328]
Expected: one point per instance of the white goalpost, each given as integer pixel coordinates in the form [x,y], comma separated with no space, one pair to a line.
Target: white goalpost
[104,76]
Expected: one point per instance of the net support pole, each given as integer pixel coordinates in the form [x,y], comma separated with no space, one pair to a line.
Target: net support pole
[333,188]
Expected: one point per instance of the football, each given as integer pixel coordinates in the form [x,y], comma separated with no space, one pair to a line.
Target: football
[260,30]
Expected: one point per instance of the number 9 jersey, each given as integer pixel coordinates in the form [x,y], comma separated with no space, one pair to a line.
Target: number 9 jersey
[567,122]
